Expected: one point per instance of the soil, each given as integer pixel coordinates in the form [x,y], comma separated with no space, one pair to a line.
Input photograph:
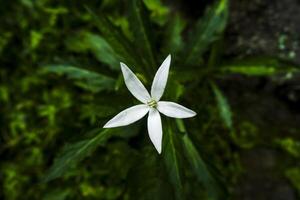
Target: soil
[268,28]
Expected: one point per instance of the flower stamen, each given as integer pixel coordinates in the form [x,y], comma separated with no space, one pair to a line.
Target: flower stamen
[152,103]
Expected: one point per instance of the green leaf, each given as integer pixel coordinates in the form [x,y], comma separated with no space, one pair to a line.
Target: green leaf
[86,41]
[83,78]
[172,39]
[207,30]
[140,26]
[159,12]
[251,70]
[147,179]
[201,170]
[116,39]
[74,153]
[57,194]
[223,106]
[5,37]
[259,66]
[290,145]
[293,174]
[171,157]
[35,39]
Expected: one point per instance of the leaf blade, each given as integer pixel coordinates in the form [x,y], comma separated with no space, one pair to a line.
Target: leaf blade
[90,42]
[215,190]
[173,40]
[259,66]
[74,153]
[223,106]
[117,40]
[84,78]
[171,159]
[206,31]
[140,25]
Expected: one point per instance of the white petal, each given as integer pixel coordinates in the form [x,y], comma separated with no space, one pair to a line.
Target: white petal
[160,79]
[175,110]
[128,116]
[134,85]
[155,128]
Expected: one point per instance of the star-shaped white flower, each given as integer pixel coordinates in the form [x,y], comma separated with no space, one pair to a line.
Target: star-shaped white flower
[151,104]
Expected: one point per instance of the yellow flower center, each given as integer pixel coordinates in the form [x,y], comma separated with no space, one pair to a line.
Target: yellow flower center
[152,103]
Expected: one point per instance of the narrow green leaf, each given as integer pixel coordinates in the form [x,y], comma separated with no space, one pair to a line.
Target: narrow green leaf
[159,12]
[258,70]
[57,194]
[293,174]
[86,41]
[74,153]
[116,39]
[147,179]
[215,189]
[251,70]
[102,50]
[259,66]
[290,145]
[207,30]
[140,26]
[83,78]
[173,41]
[171,158]
[224,107]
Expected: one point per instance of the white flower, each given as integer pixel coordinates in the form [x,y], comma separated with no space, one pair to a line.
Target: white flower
[151,104]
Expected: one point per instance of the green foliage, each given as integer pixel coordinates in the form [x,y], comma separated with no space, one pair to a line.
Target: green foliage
[172,160]
[159,12]
[246,136]
[74,153]
[89,42]
[140,26]
[149,170]
[224,108]
[115,38]
[290,145]
[214,188]
[58,194]
[206,31]
[85,79]
[60,78]
[258,67]
[251,70]
[293,175]
[173,41]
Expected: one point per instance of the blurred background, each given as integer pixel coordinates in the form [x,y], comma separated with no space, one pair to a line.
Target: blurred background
[235,62]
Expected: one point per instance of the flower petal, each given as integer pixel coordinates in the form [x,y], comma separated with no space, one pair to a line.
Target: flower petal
[155,128]
[160,79]
[134,85]
[175,110]
[128,116]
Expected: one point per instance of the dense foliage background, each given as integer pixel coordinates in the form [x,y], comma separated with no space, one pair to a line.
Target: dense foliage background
[60,81]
